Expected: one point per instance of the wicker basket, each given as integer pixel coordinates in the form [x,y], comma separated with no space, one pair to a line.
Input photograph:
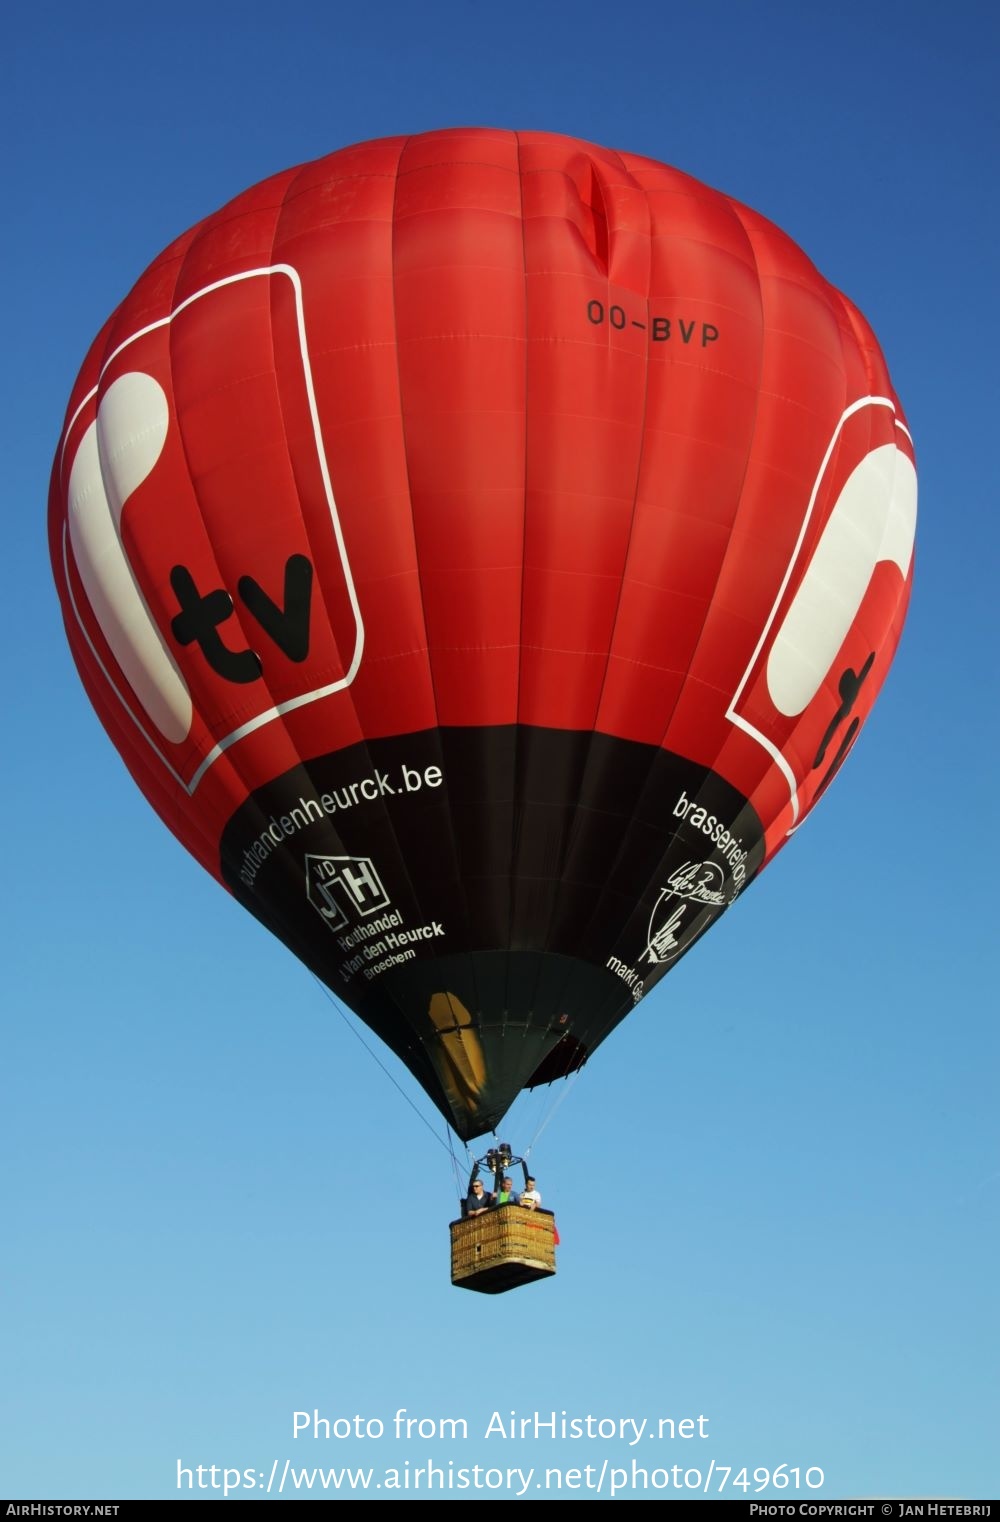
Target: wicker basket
[505,1247]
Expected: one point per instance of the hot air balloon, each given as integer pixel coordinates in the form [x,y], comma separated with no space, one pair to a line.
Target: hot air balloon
[483,549]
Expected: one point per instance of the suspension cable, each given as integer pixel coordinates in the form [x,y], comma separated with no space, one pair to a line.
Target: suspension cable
[547,1114]
[375,1058]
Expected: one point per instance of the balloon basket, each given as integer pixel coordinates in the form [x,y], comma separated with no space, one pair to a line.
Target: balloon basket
[502,1249]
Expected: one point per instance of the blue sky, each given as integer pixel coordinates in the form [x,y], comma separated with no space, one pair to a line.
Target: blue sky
[778,1184]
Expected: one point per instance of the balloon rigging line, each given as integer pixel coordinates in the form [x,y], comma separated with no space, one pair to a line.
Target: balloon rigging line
[456,1171]
[547,1115]
[531,1105]
[374,1056]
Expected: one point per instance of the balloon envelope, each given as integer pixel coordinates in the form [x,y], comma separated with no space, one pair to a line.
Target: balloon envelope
[483,549]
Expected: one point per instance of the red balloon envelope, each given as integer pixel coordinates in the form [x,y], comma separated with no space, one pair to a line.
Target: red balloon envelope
[483,549]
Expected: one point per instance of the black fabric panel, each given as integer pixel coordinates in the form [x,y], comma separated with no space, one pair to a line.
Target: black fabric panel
[491,942]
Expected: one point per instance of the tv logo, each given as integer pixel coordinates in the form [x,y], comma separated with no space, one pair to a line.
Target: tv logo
[199,513]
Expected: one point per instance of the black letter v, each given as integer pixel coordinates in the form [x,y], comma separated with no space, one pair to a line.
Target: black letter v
[287,626]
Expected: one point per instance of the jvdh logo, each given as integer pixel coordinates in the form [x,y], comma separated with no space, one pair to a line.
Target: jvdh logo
[344,887]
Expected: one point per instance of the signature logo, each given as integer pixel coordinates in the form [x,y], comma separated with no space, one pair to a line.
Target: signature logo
[702,883]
